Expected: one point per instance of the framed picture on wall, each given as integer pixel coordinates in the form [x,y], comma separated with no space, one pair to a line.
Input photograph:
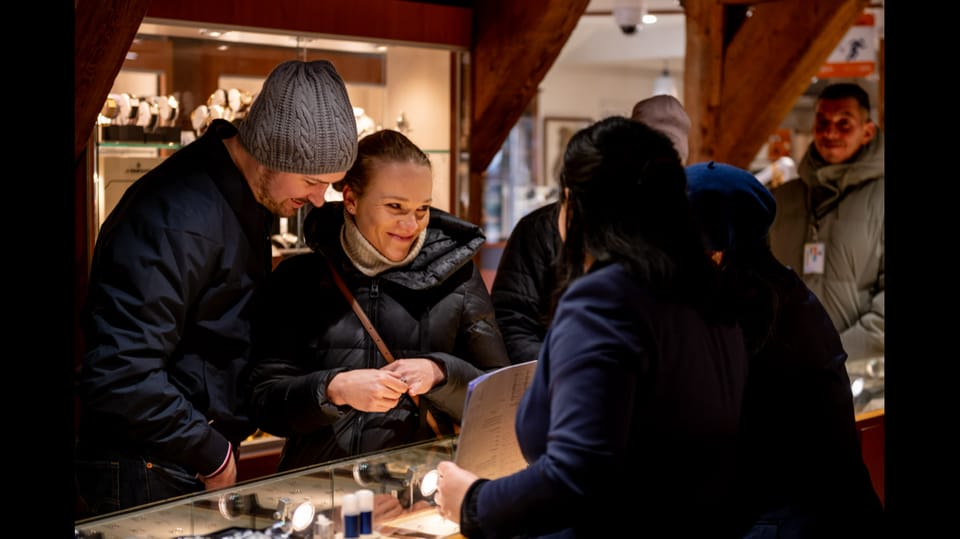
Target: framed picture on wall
[557,131]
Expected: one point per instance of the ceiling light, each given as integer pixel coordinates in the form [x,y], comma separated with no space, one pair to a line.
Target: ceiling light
[664,84]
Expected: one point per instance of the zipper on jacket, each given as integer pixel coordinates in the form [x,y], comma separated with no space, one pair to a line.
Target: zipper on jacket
[358,433]
[373,361]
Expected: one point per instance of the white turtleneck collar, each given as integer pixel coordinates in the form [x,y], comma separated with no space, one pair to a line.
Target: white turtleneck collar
[365,256]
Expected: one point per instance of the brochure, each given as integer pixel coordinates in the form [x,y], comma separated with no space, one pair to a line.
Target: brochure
[487,445]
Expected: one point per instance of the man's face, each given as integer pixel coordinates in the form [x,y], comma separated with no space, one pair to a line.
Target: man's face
[840,128]
[283,193]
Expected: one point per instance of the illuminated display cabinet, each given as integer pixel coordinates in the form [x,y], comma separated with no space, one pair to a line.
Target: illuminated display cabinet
[303,503]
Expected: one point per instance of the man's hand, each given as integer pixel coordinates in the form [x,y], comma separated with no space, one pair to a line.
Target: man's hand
[223,479]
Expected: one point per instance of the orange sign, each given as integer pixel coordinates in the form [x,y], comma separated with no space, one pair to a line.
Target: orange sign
[856,54]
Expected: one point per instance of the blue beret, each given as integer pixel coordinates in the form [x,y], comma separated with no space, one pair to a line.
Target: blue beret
[734,209]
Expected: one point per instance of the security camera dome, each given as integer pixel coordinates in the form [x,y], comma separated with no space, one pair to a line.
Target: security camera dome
[628,18]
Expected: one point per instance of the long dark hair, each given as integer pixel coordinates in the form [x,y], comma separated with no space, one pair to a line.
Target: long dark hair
[625,193]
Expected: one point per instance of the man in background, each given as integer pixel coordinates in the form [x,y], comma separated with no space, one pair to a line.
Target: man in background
[829,225]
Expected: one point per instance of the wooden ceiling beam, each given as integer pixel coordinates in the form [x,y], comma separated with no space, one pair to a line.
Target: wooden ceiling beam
[104,30]
[738,90]
[515,44]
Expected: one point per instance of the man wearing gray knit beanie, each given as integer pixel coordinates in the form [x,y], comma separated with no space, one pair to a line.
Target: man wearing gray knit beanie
[523,284]
[174,275]
[301,124]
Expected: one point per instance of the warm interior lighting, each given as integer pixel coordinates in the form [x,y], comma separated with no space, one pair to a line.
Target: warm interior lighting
[303,516]
[664,84]
[428,485]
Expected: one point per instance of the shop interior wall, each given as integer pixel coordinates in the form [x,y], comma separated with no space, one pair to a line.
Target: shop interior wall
[407,88]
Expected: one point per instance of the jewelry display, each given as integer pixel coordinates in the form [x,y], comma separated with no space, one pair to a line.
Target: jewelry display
[233,99]
[123,109]
[198,119]
[169,110]
[227,104]
[365,124]
[312,503]
[403,124]
[133,109]
[126,117]
[218,97]
[110,110]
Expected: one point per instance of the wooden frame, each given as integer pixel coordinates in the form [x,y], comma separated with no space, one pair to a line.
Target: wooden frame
[557,131]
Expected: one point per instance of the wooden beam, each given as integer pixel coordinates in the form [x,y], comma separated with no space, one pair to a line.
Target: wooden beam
[770,63]
[767,64]
[389,20]
[703,73]
[514,47]
[104,30]
[516,44]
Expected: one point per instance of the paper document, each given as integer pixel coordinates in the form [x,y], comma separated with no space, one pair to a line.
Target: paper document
[488,442]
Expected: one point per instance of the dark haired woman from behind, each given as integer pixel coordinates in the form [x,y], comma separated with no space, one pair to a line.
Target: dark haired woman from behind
[319,380]
[630,423]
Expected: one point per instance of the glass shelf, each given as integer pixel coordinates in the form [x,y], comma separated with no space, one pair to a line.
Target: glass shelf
[132,144]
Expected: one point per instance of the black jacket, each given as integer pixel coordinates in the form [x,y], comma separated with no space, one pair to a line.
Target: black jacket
[167,318]
[523,287]
[800,450]
[436,307]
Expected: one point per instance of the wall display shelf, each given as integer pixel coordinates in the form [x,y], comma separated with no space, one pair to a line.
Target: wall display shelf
[139,145]
[117,165]
[290,504]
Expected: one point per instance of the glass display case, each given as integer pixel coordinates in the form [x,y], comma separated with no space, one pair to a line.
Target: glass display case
[384,494]
[178,76]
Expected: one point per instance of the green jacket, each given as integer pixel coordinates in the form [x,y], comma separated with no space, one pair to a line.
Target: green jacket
[842,206]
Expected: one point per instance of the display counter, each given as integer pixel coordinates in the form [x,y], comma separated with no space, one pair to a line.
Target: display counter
[291,504]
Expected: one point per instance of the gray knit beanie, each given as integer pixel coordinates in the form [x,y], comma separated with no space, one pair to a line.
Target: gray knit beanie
[302,120]
[665,114]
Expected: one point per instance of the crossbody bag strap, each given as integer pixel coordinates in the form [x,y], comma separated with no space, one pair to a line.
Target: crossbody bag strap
[382,346]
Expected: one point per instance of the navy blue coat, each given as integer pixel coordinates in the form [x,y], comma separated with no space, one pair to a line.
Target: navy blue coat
[630,422]
[167,320]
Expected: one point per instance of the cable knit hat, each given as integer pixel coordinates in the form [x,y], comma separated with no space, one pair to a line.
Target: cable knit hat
[665,114]
[733,207]
[302,120]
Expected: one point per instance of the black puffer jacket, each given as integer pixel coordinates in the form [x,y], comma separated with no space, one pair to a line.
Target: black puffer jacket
[523,287]
[436,307]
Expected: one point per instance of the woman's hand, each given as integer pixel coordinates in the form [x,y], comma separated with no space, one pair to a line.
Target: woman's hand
[420,374]
[451,488]
[367,390]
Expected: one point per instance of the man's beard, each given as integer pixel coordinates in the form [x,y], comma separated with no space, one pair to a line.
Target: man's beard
[261,191]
